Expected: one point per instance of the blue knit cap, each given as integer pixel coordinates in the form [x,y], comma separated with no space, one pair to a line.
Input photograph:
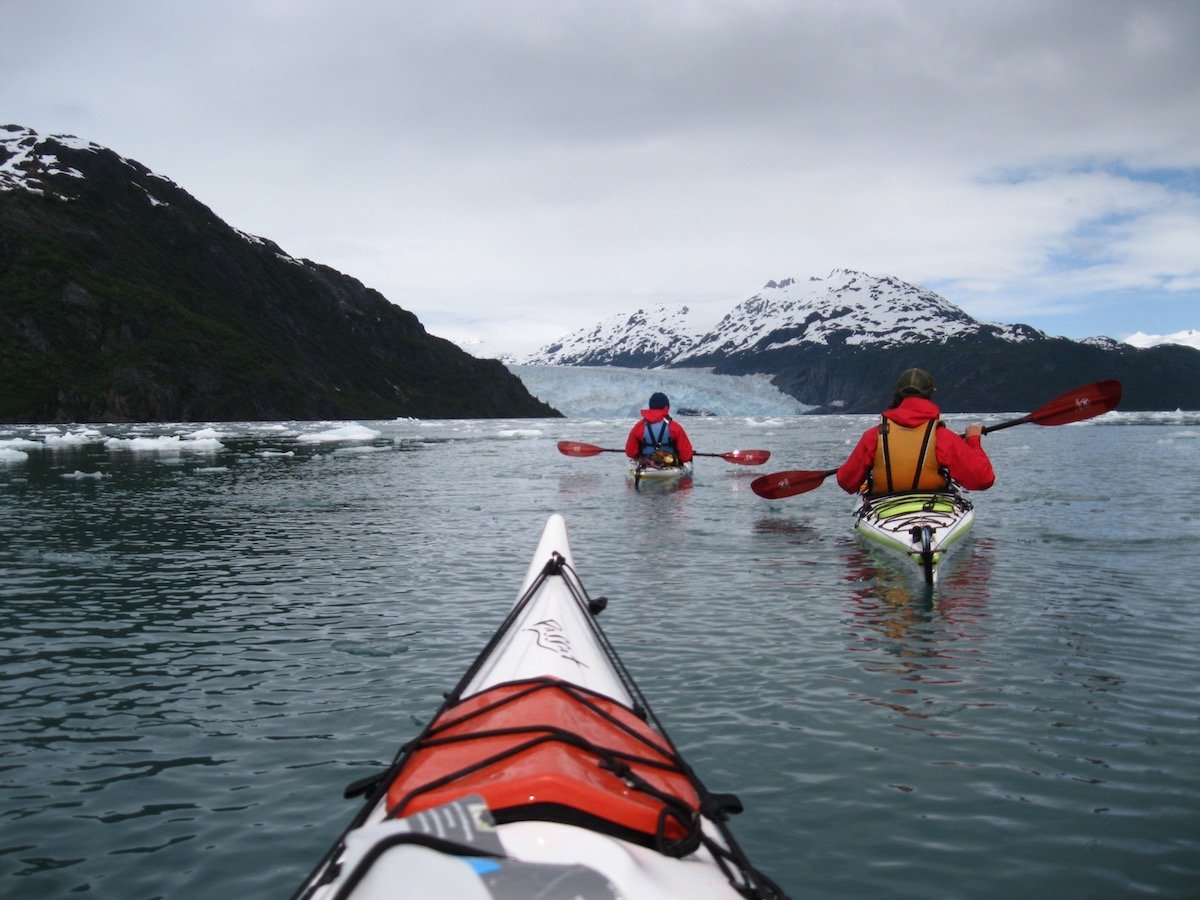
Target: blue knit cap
[658,400]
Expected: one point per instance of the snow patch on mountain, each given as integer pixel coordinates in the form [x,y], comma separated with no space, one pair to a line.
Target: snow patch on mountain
[26,161]
[30,162]
[1103,342]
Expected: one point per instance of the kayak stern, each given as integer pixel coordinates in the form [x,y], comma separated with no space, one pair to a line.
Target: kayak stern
[921,526]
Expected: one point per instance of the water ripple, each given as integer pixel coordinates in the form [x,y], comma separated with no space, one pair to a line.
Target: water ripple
[201,649]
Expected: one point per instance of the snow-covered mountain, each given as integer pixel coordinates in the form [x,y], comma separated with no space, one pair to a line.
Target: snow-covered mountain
[1189,338]
[642,339]
[836,343]
[844,308]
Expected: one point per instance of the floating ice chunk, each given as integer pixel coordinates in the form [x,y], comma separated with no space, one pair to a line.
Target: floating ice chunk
[352,432]
[164,444]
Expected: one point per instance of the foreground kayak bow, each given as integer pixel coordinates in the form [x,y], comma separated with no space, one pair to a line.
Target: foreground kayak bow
[544,774]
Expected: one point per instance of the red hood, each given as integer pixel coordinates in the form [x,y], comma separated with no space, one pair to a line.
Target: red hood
[653,416]
[913,411]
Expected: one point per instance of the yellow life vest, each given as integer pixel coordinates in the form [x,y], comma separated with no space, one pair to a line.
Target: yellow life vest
[905,460]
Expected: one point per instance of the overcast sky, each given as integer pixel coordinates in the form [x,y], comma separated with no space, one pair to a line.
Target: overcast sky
[511,171]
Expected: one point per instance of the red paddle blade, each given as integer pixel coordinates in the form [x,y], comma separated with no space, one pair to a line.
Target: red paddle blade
[1074,406]
[746,457]
[788,484]
[575,448]
[1079,404]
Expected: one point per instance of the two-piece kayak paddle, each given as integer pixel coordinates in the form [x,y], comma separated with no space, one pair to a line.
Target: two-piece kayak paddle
[1076,405]
[740,457]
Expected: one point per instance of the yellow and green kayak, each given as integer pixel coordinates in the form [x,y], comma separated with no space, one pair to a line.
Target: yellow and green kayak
[920,526]
[642,472]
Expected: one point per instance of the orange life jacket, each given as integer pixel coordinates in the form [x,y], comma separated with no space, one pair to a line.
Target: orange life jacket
[905,460]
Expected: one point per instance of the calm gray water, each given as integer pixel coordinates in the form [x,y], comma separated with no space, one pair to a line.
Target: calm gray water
[204,640]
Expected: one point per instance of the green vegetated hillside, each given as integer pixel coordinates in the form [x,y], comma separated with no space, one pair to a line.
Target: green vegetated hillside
[123,298]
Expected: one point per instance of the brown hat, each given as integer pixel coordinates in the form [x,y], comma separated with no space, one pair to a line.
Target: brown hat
[915,383]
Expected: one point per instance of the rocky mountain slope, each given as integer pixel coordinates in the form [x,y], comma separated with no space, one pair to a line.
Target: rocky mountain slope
[123,298]
[838,342]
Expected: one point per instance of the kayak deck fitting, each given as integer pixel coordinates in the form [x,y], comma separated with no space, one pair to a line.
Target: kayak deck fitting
[543,774]
[922,526]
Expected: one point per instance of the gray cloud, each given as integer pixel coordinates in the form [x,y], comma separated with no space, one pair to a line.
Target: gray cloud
[517,169]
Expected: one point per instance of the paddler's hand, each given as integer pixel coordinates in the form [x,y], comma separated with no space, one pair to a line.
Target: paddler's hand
[975,430]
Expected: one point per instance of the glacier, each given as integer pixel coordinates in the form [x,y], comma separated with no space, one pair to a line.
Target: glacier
[602,392]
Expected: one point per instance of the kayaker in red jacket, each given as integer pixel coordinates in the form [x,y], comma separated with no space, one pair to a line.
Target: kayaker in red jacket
[658,438]
[901,461]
